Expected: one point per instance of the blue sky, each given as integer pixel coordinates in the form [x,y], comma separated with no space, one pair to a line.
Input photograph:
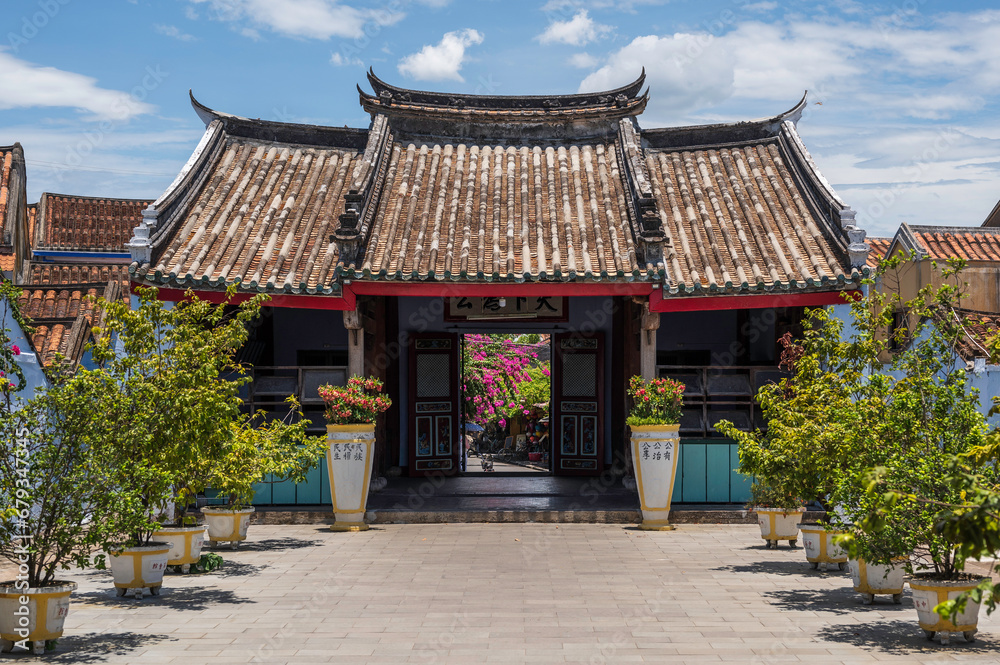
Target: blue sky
[903,119]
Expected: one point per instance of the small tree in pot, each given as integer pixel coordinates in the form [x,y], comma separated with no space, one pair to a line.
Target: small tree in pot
[279,450]
[177,373]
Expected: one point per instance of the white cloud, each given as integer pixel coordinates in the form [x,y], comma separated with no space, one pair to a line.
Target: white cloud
[312,19]
[577,31]
[583,61]
[760,6]
[684,84]
[890,87]
[174,32]
[338,60]
[27,85]
[443,61]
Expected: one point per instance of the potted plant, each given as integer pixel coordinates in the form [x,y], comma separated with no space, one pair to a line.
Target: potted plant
[47,497]
[778,513]
[351,412]
[277,449]
[811,437]
[655,424]
[178,373]
[59,503]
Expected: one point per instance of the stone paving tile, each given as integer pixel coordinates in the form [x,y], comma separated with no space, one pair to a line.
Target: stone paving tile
[504,593]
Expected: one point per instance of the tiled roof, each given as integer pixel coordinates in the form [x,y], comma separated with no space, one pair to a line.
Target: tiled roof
[738,220]
[56,302]
[62,317]
[276,207]
[79,223]
[980,327]
[972,244]
[7,167]
[12,205]
[77,273]
[263,218]
[503,212]
[879,246]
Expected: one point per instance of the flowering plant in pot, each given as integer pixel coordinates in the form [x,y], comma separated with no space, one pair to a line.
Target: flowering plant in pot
[351,412]
[655,423]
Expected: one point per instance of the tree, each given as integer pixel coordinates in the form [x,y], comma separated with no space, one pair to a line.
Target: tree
[177,379]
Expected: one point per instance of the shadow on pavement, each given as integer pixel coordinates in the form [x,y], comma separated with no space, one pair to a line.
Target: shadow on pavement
[834,601]
[904,637]
[92,648]
[183,599]
[271,544]
[797,567]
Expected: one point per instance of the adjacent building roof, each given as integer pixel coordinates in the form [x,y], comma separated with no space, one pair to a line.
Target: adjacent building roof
[482,189]
[68,274]
[86,224]
[879,247]
[14,241]
[944,242]
[62,317]
[980,328]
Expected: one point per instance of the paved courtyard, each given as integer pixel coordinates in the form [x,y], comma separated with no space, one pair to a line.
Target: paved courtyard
[480,593]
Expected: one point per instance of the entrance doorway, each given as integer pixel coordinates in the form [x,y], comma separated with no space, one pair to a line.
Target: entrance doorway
[506,396]
[491,404]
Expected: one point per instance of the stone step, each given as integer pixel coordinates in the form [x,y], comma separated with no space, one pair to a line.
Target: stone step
[682,515]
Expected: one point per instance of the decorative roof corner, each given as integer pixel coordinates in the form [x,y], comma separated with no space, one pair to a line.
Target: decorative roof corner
[857,248]
[140,247]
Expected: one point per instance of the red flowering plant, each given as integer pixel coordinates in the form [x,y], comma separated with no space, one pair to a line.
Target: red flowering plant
[360,401]
[657,402]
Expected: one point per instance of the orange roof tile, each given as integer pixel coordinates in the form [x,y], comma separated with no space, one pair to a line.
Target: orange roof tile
[87,224]
[976,244]
[879,246]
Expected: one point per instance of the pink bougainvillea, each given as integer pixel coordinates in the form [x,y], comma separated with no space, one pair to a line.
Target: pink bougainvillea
[494,367]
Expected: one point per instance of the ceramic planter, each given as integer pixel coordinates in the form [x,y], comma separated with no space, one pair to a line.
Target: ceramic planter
[779,524]
[139,568]
[185,544]
[33,616]
[929,592]
[654,457]
[872,580]
[349,455]
[820,548]
[227,525]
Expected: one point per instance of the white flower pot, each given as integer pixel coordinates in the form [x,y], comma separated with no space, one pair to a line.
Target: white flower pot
[33,616]
[225,525]
[349,456]
[929,593]
[820,548]
[779,524]
[185,544]
[872,580]
[655,451]
[139,568]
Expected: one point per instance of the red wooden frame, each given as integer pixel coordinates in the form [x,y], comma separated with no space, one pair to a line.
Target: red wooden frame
[657,303]
[458,436]
[555,419]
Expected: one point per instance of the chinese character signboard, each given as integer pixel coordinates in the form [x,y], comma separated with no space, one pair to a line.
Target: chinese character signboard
[537,308]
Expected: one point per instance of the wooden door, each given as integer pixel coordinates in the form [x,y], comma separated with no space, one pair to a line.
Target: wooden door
[578,404]
[434,437]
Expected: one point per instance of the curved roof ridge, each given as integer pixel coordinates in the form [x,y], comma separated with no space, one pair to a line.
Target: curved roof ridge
[724,132]
[600,98]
